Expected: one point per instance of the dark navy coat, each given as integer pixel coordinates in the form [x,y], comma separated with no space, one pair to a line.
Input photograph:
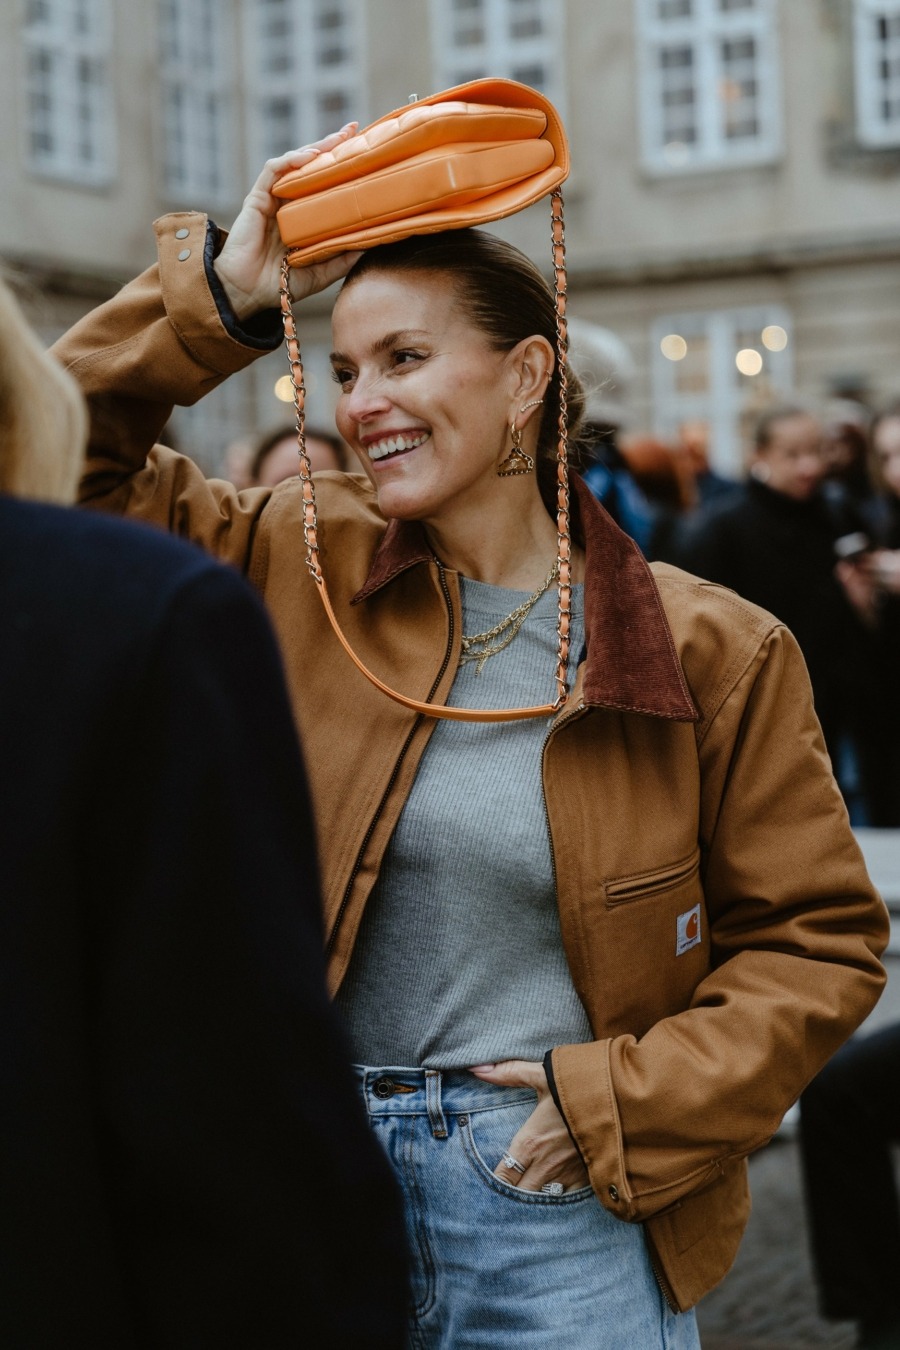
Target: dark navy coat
[183,1158]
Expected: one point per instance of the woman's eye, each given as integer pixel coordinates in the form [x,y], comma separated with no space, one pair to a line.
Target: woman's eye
[406,356]
[342,376]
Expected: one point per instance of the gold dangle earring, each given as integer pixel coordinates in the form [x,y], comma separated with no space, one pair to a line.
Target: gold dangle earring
[518,461]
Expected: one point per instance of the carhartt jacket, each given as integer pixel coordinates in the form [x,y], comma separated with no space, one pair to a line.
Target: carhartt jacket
[717,918]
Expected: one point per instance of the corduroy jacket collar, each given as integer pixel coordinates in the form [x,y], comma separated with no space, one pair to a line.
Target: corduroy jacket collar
[631,661]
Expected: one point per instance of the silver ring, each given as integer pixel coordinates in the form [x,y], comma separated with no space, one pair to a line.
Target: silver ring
[552,1188]
[513,1164]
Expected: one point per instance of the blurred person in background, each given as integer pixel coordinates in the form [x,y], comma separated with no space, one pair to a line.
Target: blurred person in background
[665,476]
[605,367]
[185,1160]
[848,479]
[849,1125]
[776,542]
[882,565]
[850,1114]
[884,513]
[272,457]
[710,485]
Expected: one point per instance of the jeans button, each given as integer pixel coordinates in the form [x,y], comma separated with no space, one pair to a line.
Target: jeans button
[383,1088]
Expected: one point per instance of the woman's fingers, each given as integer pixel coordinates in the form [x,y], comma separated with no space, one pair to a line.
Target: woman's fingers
[304,153]
[513,1073]
[249,264]
[295,159]
[542,1152]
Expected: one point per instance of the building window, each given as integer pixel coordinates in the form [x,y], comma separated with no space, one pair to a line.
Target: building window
[877,69]
[306,62]
[68,94]
[708,83]
[513,39]
[720,369]
[198,122]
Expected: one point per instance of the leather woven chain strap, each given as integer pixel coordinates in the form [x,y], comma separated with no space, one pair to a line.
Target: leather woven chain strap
[563,532]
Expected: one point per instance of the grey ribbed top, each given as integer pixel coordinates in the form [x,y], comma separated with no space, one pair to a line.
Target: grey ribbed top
[459,959]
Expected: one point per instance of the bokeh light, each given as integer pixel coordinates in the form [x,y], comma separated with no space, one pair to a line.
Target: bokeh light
[673,347]
[749,361]
[775,338]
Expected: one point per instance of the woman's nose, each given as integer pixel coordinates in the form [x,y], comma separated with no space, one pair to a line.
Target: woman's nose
[367,398]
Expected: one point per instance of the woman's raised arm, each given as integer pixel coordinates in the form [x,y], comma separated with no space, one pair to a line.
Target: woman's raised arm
[204,311]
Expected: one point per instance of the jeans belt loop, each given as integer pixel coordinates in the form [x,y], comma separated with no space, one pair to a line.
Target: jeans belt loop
[436,1115]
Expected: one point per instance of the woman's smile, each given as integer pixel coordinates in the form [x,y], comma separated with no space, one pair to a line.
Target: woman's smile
[388,445]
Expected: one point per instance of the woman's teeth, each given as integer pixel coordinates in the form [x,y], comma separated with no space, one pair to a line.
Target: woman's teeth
[392,445]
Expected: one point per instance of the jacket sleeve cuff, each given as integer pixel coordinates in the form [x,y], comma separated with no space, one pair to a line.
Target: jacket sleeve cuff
[587,1105]
[554,1093]
[262,331]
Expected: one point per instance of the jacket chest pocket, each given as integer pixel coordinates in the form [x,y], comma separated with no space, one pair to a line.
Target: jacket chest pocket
[644,885]
[653,944]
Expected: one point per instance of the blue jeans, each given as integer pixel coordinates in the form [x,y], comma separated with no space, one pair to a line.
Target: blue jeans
[496,1268]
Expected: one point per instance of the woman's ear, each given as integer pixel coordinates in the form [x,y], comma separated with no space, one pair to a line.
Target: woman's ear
[531,364]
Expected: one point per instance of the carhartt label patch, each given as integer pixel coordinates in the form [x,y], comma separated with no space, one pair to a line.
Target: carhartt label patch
[687,930]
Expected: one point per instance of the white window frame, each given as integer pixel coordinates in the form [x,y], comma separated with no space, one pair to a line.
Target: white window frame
[308,79]
[726,401]
[703,32]
[73,107]
[499,53]
[875,129]
[197,113]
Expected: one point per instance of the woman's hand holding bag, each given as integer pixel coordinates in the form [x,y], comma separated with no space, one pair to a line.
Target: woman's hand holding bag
[249,266]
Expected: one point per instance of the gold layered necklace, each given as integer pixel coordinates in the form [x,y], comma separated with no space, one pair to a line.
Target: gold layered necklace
[480,647]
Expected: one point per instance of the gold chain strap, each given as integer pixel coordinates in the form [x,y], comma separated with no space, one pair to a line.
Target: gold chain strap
[564,542]
[563,532]
[292,344]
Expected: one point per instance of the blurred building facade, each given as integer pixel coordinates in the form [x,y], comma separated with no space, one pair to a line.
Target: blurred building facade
[733,211]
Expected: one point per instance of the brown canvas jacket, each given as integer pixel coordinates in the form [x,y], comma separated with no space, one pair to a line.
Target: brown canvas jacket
[718,921]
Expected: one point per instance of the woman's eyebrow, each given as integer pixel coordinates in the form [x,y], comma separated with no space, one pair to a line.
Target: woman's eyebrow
[386,342]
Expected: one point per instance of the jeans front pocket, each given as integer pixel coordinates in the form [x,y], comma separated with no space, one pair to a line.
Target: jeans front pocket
[486,1135]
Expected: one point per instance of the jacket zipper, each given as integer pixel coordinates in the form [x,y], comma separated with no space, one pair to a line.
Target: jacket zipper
[345,899]
[566,717]
[664,1286]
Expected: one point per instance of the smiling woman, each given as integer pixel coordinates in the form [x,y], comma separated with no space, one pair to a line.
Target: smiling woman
[587,958]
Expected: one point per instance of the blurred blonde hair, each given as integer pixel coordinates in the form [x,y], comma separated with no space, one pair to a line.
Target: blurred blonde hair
[43,418]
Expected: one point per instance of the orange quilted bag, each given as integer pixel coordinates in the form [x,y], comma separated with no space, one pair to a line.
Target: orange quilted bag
[471,154]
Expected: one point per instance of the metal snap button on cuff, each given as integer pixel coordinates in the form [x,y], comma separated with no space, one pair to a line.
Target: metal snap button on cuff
[613,1192]
[184,255]
[182,234]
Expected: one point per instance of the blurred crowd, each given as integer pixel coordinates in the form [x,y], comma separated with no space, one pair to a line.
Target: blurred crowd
[812,534]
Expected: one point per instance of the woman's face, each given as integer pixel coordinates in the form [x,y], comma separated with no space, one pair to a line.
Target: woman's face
[887,452]
[792,463]
[281,462]
[424,399]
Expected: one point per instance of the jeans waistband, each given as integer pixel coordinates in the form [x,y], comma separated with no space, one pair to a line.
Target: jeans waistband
[435,1093]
